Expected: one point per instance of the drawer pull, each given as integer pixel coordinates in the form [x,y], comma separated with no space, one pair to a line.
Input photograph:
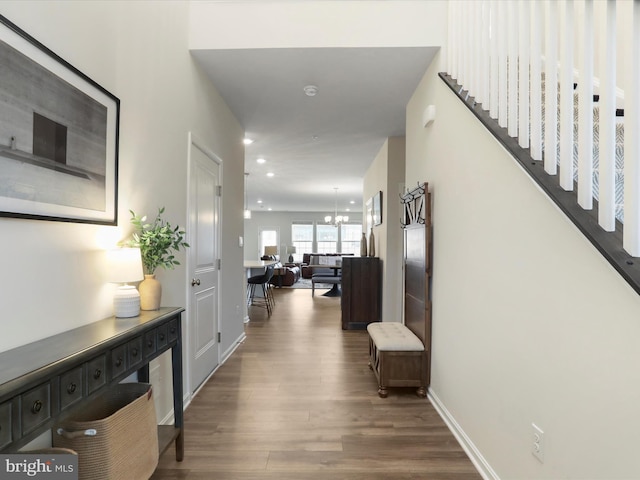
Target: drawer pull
[119,362]
[134,352]
[150,343]
[161,337]
[173,330]
[71,388]
[97,373]
[36,407]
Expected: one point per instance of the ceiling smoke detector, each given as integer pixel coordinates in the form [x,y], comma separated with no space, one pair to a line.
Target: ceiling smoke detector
[310,90]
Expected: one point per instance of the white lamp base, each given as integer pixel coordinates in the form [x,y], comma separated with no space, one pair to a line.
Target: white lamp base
[126,302]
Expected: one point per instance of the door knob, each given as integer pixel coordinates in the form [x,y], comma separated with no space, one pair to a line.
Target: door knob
[195,281]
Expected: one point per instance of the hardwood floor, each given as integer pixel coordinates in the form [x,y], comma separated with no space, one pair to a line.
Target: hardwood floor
[297,401]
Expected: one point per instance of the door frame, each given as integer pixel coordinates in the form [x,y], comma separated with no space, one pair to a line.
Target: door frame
[195,141]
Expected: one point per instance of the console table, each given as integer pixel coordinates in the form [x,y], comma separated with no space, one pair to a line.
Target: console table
[43,382]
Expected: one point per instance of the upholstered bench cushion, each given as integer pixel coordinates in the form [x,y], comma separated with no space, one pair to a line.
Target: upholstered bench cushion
[394,336]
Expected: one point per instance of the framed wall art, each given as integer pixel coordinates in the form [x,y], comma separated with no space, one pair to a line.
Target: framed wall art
[369,214]
[376,208]
[58,136]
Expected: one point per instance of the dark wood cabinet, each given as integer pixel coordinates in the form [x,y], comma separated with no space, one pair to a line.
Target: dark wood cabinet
[361,292]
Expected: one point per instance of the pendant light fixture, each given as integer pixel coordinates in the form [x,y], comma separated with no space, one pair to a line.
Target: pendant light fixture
[247,212]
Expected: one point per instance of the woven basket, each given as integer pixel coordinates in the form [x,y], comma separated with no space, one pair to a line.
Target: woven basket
[116,435]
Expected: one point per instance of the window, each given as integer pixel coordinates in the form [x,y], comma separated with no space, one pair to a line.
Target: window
[327,238]
[350,235]
[302,238]
[268,237]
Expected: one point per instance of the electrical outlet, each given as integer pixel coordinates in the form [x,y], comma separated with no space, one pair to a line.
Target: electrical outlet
[538,443]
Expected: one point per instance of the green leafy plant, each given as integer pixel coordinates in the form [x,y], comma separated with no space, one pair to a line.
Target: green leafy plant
[158,241]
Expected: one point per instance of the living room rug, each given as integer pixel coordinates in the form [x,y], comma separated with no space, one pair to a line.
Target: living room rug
[306,283]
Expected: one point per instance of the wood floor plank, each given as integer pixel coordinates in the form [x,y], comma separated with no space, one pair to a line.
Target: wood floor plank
[296,401]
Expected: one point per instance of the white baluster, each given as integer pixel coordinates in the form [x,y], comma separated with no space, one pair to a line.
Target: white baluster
[566,100]
[472,32]
[536,80]
[512,122]
[607,172]
[551,91]
[632,142]
[501,30]
[495,60]
[452,48]
[523,74]
[585,111]
[485,63]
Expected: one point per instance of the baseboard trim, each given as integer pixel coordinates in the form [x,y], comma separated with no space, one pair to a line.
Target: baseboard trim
[481,464]
[223,359]
[225,356]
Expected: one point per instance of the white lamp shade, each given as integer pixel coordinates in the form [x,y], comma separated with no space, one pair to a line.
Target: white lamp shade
[291,249]
[271,250]
[124,265]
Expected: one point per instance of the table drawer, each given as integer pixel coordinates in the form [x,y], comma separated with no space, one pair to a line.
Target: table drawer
[118,360]
[35,407]
[5,424]
[96,373]
[149,343]
[134,352]
[162,335]
[173,331]
[70,387]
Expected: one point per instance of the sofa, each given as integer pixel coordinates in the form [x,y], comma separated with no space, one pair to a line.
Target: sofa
[308,272]
[283,275]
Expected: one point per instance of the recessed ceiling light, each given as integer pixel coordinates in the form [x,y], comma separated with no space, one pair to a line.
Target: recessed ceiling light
[352,202]
[259,201]
[348,209]
[310,90]
[270,174]
[269,209]
[315,138]
[260,160]
[247,141]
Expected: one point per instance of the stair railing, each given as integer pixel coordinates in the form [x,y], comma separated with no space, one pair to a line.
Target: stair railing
[555,101]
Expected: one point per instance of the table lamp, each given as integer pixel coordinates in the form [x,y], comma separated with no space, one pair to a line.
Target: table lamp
[291,250]
[270,251]
[124,266]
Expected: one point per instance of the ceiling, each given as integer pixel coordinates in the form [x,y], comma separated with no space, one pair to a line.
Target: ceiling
[314,144]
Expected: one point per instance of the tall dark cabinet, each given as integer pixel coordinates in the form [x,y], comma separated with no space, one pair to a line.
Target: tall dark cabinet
[361,292]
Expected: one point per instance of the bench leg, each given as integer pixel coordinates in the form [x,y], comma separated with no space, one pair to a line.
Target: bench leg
[383,392]
[421,392]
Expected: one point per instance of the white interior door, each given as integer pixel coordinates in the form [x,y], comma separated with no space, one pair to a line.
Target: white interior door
[204,226]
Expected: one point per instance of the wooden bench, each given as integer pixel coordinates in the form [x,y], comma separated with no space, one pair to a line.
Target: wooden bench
[400,354]
[398,357]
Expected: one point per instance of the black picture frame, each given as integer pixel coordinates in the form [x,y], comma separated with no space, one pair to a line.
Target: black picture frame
[59,136]
[376,209]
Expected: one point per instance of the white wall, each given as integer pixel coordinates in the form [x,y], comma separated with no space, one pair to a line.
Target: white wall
[314,23]
[52,275]
[530,323]
[386,174]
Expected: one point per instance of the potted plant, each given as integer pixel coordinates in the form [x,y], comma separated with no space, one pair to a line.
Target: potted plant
[158,241]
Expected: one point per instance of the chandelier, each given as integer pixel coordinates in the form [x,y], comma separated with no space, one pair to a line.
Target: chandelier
[336,220]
